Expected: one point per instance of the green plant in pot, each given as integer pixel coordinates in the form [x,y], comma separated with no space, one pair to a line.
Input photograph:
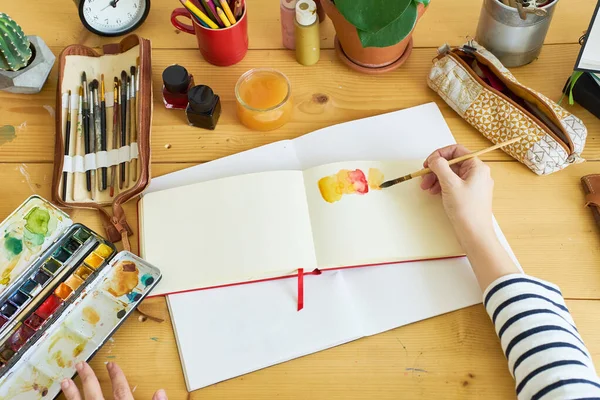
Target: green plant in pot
[25,61]
[374,36]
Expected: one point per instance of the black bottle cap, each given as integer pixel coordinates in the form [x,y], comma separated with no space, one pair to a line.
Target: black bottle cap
[202,99]
[176,79]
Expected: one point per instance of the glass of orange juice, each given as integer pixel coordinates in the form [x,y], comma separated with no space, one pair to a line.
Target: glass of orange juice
[264,99]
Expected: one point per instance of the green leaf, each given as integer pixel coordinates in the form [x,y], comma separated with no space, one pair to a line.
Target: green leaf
[392,33]
[372,15]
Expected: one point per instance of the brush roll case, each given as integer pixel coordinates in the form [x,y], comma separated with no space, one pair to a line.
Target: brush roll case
[116,58]
[486,95]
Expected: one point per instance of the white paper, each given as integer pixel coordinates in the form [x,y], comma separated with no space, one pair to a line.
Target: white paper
[590,56]
[221,341]
[228,230]
[390,296]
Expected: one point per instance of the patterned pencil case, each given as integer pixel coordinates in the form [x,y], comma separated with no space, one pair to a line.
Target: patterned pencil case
[486,95]
[102,147]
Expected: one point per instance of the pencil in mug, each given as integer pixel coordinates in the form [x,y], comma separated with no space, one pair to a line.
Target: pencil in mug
[426,171]
[211,11]
[238,9]
[223,17]
[227,11]
[196,11]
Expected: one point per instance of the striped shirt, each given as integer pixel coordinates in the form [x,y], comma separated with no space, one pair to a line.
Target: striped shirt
[545,352]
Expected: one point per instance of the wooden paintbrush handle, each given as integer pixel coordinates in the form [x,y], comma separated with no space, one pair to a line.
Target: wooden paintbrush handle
[456,160]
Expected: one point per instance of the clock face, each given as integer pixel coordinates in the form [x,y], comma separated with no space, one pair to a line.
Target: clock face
[113,17]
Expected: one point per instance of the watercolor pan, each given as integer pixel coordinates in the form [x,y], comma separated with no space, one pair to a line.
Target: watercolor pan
[85,322]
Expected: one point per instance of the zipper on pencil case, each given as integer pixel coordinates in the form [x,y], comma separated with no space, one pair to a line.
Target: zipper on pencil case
[565,146]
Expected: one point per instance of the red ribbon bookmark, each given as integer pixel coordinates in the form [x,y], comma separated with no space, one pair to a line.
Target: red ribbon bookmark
[300,289]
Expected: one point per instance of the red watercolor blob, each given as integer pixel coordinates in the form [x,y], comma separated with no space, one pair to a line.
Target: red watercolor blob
[359,181]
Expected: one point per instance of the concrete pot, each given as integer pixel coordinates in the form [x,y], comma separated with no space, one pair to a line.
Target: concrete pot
[29,80]
[365,58]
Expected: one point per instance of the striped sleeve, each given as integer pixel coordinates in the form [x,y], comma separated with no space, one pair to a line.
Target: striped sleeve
[545,352]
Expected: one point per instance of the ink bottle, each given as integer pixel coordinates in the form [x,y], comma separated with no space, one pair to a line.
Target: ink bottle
[176,84]
[287,9]
[204,107]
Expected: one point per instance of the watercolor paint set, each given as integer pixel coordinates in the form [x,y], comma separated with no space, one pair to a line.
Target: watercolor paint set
[64,290]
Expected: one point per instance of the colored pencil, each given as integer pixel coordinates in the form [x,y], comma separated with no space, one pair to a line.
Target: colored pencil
[212,11]
[426,171]
[196,11]
[115,140]
[223,17]
[238,9]
[133,164]
[78,138]
[123,124]
[103,129]
[227,11]
[67,145]
[86,127]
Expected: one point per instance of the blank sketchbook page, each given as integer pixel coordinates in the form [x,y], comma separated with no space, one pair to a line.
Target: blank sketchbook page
[589,58]
[229,230]
[398,223]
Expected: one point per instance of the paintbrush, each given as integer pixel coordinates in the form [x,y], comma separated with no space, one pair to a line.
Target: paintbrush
[86,127]
[97,129]
[103,129]
[115,140]
[128,135]
[67,145]
[77,182]
[426,171]
[92,136]
[133,164]
[123,124]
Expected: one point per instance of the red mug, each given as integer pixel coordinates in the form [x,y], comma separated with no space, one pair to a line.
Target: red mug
[222,47]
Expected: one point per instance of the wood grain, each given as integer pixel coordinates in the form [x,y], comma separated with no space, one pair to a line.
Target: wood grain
[320,101]
[456,355]
[445,21]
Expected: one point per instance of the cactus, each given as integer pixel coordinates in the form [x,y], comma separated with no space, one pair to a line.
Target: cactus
[14,45]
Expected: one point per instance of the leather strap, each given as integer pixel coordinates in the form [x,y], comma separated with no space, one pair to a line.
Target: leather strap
[592,199]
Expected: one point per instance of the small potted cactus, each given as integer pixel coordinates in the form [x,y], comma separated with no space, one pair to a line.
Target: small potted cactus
[25,61]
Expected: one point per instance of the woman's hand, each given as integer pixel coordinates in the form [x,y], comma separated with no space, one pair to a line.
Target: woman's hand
[466,188]
[467,191]
[91,386]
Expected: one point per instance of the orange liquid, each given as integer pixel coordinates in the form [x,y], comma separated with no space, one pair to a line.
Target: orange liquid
[262,94]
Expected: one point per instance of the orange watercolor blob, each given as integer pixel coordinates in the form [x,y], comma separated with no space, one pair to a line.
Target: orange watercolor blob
[90,315]
[63,291]
[125,279]
[375,179]
[333,187]
[94,260]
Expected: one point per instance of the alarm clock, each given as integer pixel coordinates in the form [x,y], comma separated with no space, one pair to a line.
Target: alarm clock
[112,17]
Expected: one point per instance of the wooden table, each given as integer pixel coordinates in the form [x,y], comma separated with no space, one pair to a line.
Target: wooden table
[452,356]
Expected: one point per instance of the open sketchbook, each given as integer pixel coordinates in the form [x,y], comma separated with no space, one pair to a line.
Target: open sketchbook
[589,56]
[271,224]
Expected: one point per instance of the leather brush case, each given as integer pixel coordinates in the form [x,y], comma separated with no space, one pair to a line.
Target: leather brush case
[127,156]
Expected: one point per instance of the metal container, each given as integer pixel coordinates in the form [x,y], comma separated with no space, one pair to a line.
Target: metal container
[513,40]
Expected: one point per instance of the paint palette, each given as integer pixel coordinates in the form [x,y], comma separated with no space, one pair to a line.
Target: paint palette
[69,298]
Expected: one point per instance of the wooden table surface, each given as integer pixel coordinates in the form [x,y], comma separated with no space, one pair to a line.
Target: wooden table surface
[456,355]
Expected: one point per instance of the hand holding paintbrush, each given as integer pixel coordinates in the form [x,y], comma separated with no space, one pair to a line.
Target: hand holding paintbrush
[453,161]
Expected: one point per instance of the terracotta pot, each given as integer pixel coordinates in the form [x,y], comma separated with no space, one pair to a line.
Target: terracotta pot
[370,57]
